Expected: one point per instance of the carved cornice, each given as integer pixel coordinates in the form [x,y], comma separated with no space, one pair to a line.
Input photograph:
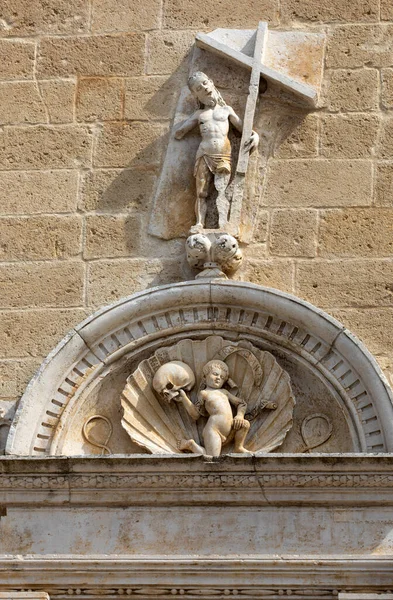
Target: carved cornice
[150,480]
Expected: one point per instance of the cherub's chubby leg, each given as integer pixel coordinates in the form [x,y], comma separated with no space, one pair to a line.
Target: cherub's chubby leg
[213,440]
[203,177]
[221,181]
[240,436]
[190,445]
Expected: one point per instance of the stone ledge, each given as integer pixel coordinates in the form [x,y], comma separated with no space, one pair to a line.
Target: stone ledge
[148,480]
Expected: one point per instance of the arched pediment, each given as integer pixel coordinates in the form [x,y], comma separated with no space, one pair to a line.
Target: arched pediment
[333,376]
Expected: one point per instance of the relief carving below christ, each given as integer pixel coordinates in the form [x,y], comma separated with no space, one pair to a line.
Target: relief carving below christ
[208,397]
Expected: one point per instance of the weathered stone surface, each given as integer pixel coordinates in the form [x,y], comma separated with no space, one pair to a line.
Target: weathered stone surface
[168,51]
[16,59]
[116,190]
[15,375]
[150,98]
[348,283]
[284,177]
[386,10]
[349,136]
[95,55]
[129,144]
[356,232]
[45,147]
[273,273]
[58,97]
[387,88]
[111,236]
[184,14]
[383,195]
[110,280]
[127,15]
[38,192]
[349,90]
[260,230]
[40,237]
[43,284]
[385,145]
[20,102]
[372,326]
[329,10]
[303,141]
[352,46]
[293,233]
[99,99]
[20,18]
[33,333]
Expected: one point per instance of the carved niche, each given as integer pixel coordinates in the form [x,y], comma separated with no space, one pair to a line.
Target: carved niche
[158,421]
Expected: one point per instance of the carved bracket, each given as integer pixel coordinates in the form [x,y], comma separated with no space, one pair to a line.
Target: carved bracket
[215,254]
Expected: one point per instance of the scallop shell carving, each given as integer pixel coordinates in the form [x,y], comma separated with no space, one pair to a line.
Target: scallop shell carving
[156,425]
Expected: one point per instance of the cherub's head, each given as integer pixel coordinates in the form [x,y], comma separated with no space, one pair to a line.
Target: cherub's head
[216,373]
[204,90]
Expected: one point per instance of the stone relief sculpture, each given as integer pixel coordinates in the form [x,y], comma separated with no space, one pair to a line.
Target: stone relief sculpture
[213,158]
[208,397]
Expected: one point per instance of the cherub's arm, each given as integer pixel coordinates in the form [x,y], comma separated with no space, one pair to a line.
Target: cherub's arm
[187,125]
[188,405]
[236,121]
[241,404]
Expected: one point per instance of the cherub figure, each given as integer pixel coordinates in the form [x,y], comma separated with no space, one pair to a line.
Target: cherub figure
[213,158]
[221,426]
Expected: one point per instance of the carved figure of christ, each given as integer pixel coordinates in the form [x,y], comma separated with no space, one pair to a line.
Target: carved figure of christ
[213,158]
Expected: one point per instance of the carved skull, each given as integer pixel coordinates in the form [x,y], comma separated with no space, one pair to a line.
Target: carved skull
[171,377]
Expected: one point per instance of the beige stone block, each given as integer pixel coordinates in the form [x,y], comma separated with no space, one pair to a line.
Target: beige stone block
[100,55]
[43,284]
[149,98]
[16,59]
[384,185]
[20,102]
[356,232]
[109,236]
[293,233]
[387,88]
[385,145]
[260,229]
[182,14]
[45,147]
[59,99]
[352,46]
[346,283]
[116,190]
[348,90]
[303,141]
[130,145]
[319,183]
[99,99]
[15,375]
[20,18]
[127,15]
[32,192]
[372,326]
[110,280]
[349,136]
[33,333]
[43,237]
[386,10]
[271,273]
[329,10]
[169,51]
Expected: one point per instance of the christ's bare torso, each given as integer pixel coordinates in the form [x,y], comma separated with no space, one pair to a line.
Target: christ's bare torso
[214,128]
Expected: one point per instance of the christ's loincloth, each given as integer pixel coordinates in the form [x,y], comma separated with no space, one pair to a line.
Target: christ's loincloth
[216,163]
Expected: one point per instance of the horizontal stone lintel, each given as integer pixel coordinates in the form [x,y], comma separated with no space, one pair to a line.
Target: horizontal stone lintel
[145,480]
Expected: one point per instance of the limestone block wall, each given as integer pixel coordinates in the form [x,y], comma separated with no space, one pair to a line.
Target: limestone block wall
[87,93]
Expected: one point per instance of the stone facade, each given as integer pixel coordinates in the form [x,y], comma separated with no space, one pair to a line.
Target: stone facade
[87,94]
